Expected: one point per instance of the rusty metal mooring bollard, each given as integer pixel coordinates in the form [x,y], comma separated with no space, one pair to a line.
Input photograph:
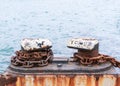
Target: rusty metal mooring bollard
[88,52]
[35,65]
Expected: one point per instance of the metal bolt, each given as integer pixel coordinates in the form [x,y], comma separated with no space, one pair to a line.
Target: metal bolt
[59,65]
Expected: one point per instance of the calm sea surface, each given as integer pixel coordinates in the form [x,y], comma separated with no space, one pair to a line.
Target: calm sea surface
[59,21]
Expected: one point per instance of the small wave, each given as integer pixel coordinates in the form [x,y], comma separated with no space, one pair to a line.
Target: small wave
[6,51]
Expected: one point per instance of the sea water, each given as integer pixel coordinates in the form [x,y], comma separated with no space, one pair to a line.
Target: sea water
[59,21]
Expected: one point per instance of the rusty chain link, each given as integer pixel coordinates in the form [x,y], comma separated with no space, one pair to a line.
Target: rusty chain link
[30,59]
[101,58]
[42,58]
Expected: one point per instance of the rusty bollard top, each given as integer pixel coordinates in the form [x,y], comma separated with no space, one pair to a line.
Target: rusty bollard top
[85,46]
[29,44]
[83,43]
[33,53]
[88,52]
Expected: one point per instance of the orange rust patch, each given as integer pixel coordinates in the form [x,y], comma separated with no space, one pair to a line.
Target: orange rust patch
[118,81]
[63,80]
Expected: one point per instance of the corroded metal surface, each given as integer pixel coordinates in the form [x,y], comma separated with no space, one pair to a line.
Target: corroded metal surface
[86,68]
[83,43]
[101,58]
[32,59]
[88,52]
[33,53]
[66,80]
[86,60]
[7,80]
[30,44]
[62,65]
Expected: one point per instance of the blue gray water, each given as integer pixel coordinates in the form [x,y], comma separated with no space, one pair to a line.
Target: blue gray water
[58,20]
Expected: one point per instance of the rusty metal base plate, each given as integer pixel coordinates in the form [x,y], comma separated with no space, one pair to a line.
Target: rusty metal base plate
[63,68]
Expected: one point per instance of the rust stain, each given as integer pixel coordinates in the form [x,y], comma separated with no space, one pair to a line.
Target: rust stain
[118,81]
[49,80]
[13,84]
[100,80]
[71,81]
[80,80]
[97,78]
[63,80]
[39,81]
[20,81]
[91,81]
